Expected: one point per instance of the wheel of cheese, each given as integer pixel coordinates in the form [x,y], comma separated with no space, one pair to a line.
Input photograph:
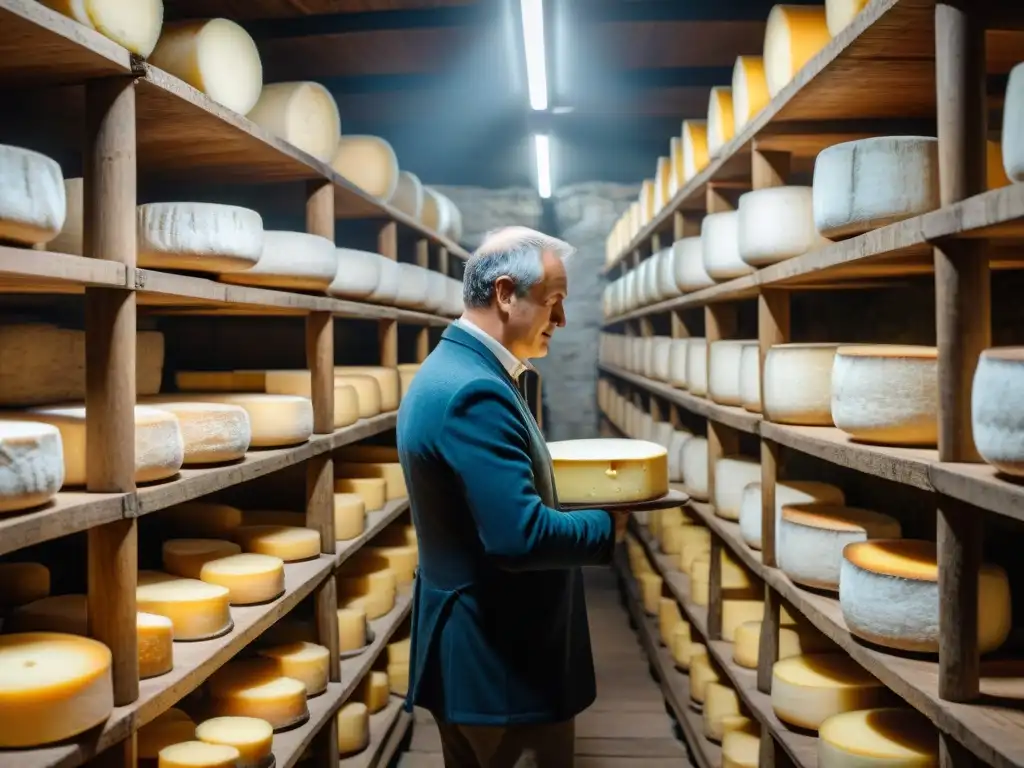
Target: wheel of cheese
[650,591]
[353,728]
[809,689]
[676,174]
[719,235]
[349,516]
[695,543]
[798,384]
[374,691]
[33,203]
[789,493]
[304,114]
[387,378]
[399,650]
[370,489]
[70,239]
[661,350]
[677,363]
[724,370]
[255,688]
[408,195]
[742,748]
[646,202]
[398,679]
[370,163]
[695,467]
[215,56]
[202,237]
[997,409]
[793,641]
[750,378]
[351,629]
[358,274]
[40,363]
[370,579]
[656,288]
[159,449]
[889,594]
[680,645]
[22,583]
[387,286]
[155,637]
[276,421]
[412,286]
[606,470]
[251,736]
[662,183]
[667,284]
[1013,125]
[736,612]
[201,519]
[198,754]
[776,224]
[736,582]
[749,89]
[171,727]
[291,261]
[886,394]
[869,183]
[402,559]
[839,13]
[732,475]
[794,35]
[349,398]
[212,433]
[198,610]
[33,468]
[721,125]
[675,454]
[668,617]
[701,675]
[307,662]
[135,26]
[697,366]
[186,557]
[250,578]
[878,738]
[812,538]
[289,543]
[695,148]
[367,391]
[455,299]
[437,291]
[720,702]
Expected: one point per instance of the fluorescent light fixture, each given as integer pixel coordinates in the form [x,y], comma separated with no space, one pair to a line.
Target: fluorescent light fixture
[533,47]
[542,147]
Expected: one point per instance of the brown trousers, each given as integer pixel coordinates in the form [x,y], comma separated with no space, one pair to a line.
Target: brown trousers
[547,745]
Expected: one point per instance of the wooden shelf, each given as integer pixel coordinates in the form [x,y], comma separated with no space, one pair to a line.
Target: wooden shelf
[382,725]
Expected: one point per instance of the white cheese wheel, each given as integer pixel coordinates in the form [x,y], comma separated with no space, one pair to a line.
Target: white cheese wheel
[675,454]
[250,578]
[677,363]
[997,409]
[724,370]
[408,195]
[55,686]
[155,637]
[351,628]
[793,36]
[212,433]
[793,641]
[886,394]
[198,754]
[349,516]
[720,702]
[812,538]
[70,239]
[289,543]
[721,124]
[276,421]
[807,690]
[608,470]
[839,13]
[435,213]
[878,738]
[170,727]
[303,114]
[750,378]
[387,286]
[252,737]
[203,237]
[697,366]
[732,475]
[688,265]
[1013,125]
[741,748]
[215,56]
[749,89]
[370,163]
[198,610]
[661,349]
[22,583]
[202,519]
[353,728]
[292,261]
[159,449]
[702,673]
[372,490]
[719,234]
[307,662]
[695,148]
[32,471]
[135,26]
[798,384]
[776,224]
[347,403]
[869,183]
[255,688]
[437,291]
[32,197]
[358,274]
[413,286]
[387,378]
[786,494]
[186,557]
[695,467]
[667,285]
[889,593]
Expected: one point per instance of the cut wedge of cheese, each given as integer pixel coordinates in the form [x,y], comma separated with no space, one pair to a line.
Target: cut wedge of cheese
[203,237]
[212,433]
[370,163]
[289,543]
[198,754]
[749,89]
[304,114]
[33,203]
[807,690]
[22,583]
[374,691]
[741,748]
[609,470]
[347,403]
[839,13]
[719,233]
[372,490]
[732,475]
[776,224]
[721,124]
[790,493]
[251,736]
[32,471]
[186,557]
[695,467]
[135,26]
[171,727]
[198,610]
[202,519]
[695,148]
[720,703]
[255,688]
[997,409]
[724,370]
[387,378]
[798,383]
[889,594]
[353,728]
[878,738]
[55,686]
[275,421]
[794,35]
[250,578]
[303,661]
[291,261]
[793,641]
[351,629]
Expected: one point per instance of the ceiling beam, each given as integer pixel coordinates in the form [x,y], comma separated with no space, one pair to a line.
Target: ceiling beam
[476,13]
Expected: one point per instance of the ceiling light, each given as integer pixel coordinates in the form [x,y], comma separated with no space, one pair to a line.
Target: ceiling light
[533,47]
[542,148]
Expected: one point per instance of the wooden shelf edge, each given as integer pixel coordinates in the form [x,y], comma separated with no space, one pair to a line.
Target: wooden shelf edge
[70,512]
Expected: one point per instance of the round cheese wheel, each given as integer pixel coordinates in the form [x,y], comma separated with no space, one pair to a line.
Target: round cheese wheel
[33,468]
[368,578]
[402,560]
[736,612]
[303,661]
[681,645]
[358,274]
[750,378]
[732,475]
[204,237]
[437,291]
[289,543]
[749,89]
[608,470]
[701,675]
[650,589]
[252,737]
[367,392]
[661,350]
[793,641]
[374,690]
[155,635]
[198,610]
[398,679]
[351,628]
[255,688]
[741,748]
[652,278]
[413,286]
[387,286]
[250,578]
[349,516]
[303,114]
[878,738]
[435,214]
[889,594]
[789,493]
[724,370]
[697,366]
[387,378]
[812,538]
[695,467]
[675,454]
[677,363]
[170,727]
[720,702]
[696,543]
[997,409]
[869,183]
[32,197]
[372,490]
[369,162]
[668,617]
[276,421]
[776,224]
[886,394]
[798,383]
[390,471]
[347,401]
[408,195]
[353,728]
[212,433]
[291,261]
[807,690]
[198,754]
[721,123]
[186,557]
[695,148]
[667,285]
[793,36]
[720,246]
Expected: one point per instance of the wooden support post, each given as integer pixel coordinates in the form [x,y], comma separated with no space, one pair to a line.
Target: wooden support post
[320,325]
[768,643]
[772,328]
[685,226]
[715,201]
[423,333]
[769,169]
[715,589]
[387,246]
[110,330]
[963,330]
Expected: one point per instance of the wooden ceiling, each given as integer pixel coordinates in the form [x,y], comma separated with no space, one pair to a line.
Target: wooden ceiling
[443,80]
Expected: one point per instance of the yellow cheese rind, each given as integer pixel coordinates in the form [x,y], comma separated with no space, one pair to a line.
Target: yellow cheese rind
[387,379]
[368,578]
[737,612]
[249,578]
[701,674]
[303,661]
[721,124]
[403,560]
[878,738]
[347,402]
[156,644]
[609,470]
[398,679]
[374,691]
[255,688]
[198,754]
[695,148]
[793,36]
[353,728]
[807,690]
[749,89]
[720,703]
[370,163]
[349,516]
[793,641]
[251,736]
[372,490]
[198,610]
[351,629]
[742,748]
[186,557]
[390,472]
[289,543]
[135,26]
[170,727]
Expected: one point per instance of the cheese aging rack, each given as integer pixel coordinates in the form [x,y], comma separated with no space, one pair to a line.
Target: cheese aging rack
[944,278]
[138,122]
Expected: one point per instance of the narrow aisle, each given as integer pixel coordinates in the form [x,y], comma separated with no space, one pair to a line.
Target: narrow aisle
[627,726]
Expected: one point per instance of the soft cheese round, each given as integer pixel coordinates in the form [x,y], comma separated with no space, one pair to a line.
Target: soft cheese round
[720,246]
[732,475]
[609,470]
[292,261]
[878,738]
[212,433]
[720,703]
[807,690]
[32,198]
[997,409]
[413,285]
[697,366]
[776,224]
[789,493]
[724,370]
[370,163]
[798,384]
[33,468]
[304,114]
[358,274]
[203,237]
[387,286]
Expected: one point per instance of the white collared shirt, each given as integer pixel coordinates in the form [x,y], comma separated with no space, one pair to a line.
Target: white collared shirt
[509,362]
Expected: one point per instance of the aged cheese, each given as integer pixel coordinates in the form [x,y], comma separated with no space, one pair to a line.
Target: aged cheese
[720,702]
[736,580]
[351,629]
[869,183]
[807,690]
[662,183]
[668,618]
[33,203]
[349,516]
[724,370]
[839,13]
[149,363]
[398,679]
[374,691]
[695,148]
[408,196]
[303,114]
[776,224]
[695,467]
[675,454]
[681,646]
[742,748]
[292,261]
[798,383]
[646,202]
[255,688]
[794,35]
[739,611]
[889,594]
[186,557]
[250,578]
[399,651]
[307,662]
[32,471]
[793,641]
[676,172]
[719,234]
[198,610]
[650,591]
[608,470]
[358,274]
[275,421]
[212,433]
[369,162]
[701,675]
[202,519]
[368,578]
[812,538]
[353,728]
[203,237]
[156,644]
[435,214]
[697,366]
[997,409]
[749,89]
[372,490]
[55,686]
[878,738]
[732,475]
[171,727]
[300,383]
[70,239]
[721,125]
[387,378]
[1013,125]
[389,472]
[40,363]
[413,286]
[289,543]
[696,543]
[688,265]
[198,754]
[159,450]
[135,26]
[886,394]
[750,378]
[401,559]
[367,392]
[661,348]
[793,492]
[22,583]
[251,736]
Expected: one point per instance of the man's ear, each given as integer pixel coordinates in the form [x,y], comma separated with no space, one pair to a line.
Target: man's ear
[504,292]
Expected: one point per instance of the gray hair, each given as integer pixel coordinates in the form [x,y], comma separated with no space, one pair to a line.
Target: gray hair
[514,252]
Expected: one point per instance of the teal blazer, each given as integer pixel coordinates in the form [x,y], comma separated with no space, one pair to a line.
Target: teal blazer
[499,628]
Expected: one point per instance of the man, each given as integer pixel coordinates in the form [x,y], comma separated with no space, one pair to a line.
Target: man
[500,644]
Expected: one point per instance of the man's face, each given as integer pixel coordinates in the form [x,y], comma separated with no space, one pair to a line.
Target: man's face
[532,318]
